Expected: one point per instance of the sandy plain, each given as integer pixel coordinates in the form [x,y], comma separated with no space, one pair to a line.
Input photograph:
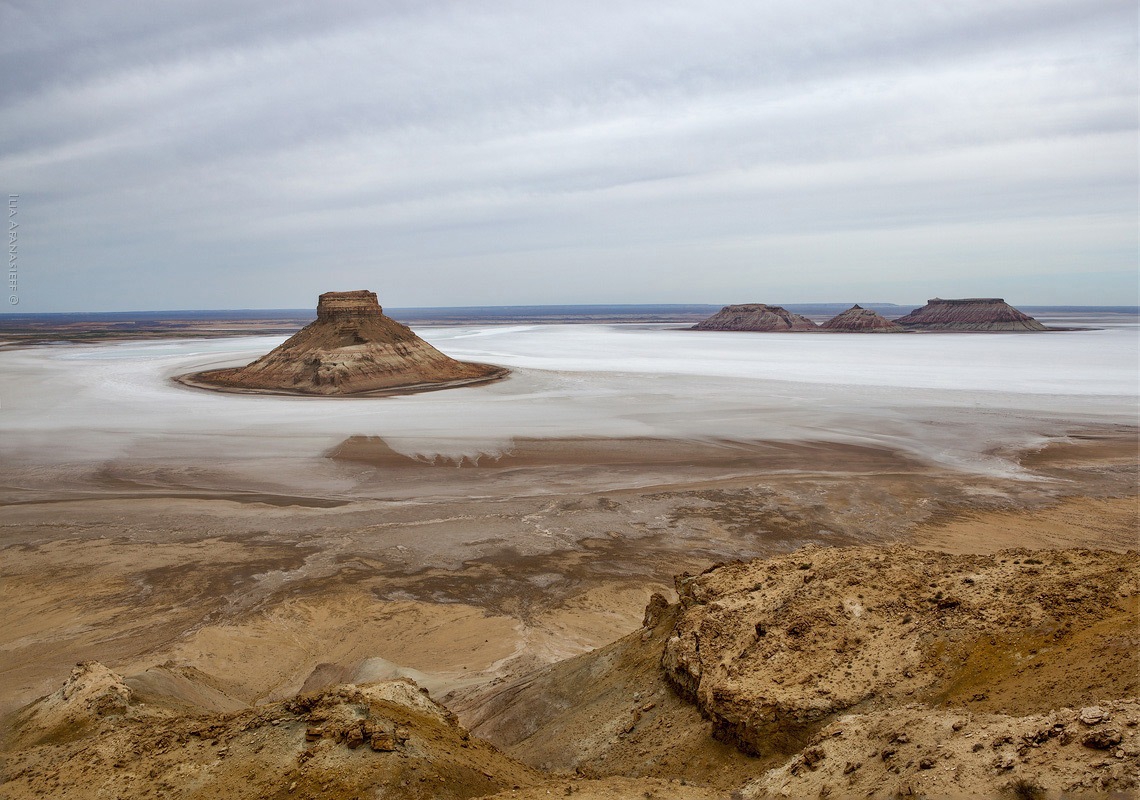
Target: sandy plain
[468,568]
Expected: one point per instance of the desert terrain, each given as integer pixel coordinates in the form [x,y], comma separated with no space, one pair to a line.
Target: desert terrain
[253,589]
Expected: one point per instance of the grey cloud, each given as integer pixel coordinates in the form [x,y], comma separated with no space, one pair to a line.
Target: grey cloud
[533,152]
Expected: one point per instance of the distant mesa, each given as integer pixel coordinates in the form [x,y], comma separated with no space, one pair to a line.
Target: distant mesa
[969,314]
[755,317]
[862,320]
[352,349]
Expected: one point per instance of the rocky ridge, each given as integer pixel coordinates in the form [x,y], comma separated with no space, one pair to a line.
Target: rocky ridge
[969,314]
[772,649]
[383,739]
[857,671]
[351,349]
[755,317]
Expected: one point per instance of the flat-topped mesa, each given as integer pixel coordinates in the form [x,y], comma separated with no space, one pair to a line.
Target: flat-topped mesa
[351,349]
[861,320]
[969,314]
[346,305]
[755,317]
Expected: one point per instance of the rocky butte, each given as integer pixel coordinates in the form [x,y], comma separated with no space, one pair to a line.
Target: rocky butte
[862,320]
[351,349]
[755,317]
[969,314]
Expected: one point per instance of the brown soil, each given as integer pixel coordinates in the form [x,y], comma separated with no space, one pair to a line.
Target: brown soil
[482,583]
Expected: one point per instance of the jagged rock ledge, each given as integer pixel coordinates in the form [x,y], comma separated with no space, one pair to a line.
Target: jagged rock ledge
[351,350]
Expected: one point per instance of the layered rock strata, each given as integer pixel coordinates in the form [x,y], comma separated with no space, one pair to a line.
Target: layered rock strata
[755,317]
[861,320]
[351,349]
[969,314]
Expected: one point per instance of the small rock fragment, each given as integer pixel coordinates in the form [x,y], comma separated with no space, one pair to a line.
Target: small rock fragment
[1092,715]
[1104,739]
[382,743]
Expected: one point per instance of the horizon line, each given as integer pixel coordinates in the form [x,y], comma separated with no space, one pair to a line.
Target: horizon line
[310,310]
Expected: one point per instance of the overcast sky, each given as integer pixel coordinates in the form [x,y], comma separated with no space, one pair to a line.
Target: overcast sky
[249,154]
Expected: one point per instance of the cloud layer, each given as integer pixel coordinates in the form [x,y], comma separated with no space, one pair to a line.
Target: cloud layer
[254,154]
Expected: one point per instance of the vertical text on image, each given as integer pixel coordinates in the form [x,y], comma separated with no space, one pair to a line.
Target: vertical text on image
[13,249]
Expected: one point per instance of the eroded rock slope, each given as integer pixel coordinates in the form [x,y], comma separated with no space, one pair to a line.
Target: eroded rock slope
[755,317]
[351,348]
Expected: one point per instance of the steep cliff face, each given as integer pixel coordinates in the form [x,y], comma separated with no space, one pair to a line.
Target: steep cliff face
[351,348]
[969,314]
[861,320]
[755,317]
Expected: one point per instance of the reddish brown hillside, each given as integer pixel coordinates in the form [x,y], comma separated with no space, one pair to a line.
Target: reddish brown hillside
[755,317]
[861,320]
[969,314]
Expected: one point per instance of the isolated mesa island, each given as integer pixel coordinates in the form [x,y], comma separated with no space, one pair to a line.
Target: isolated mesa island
[966,314]
[352,349]
[755,317]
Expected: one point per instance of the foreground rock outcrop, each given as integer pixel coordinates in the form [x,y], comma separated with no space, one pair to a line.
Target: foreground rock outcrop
[772,649]
[861,672]
[386,739]
[969,314]
[915,751]
[861,320]
[351,349]
[755,317]
[90,694]
[870,672]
